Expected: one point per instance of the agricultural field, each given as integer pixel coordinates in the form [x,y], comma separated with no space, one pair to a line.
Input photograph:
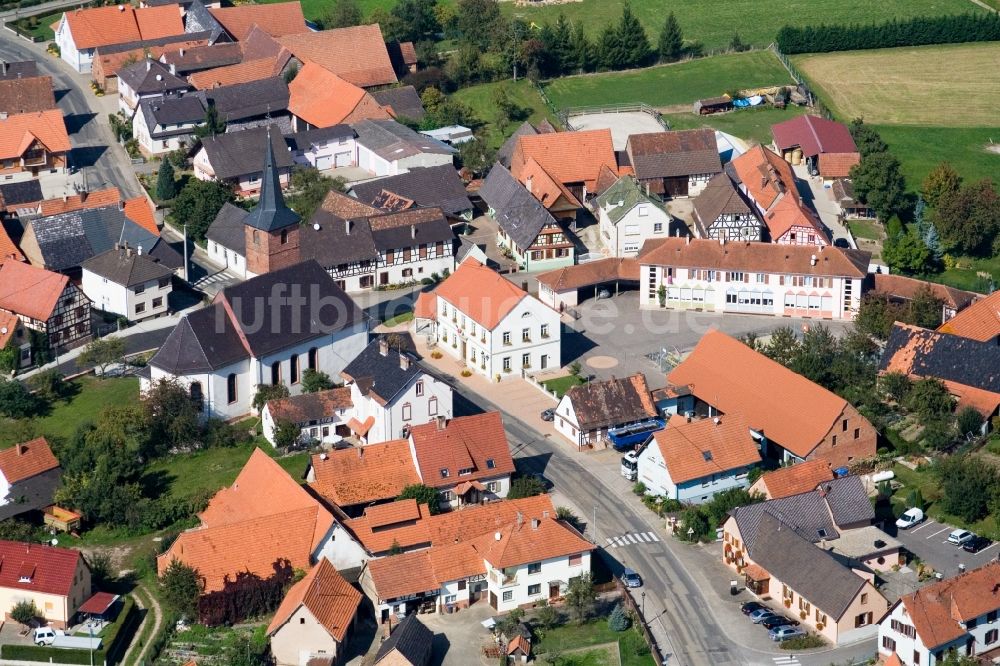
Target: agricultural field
[671,85]
[480,100]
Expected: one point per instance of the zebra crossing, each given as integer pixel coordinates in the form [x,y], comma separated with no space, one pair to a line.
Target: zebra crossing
[786,661]
[632,539]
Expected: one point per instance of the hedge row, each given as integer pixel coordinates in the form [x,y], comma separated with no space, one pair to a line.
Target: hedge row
[918,31]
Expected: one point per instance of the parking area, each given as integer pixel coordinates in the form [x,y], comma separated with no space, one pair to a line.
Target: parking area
[929,542]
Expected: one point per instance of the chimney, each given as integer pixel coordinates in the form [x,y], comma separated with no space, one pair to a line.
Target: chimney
[404,362]
[149,64]
[442,422]
[361,452]
[383,347]
[520,519]
[6,66]
[535,523]
[182,53]
[497,536]
[722,239]
[347,227]
[527,183]
[413,231]
[716,420]
[121,205]
[687,240]
[3,115]
[173,69]
[138,250]
[21,449]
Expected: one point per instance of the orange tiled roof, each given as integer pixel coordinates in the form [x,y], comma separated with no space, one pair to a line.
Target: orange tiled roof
[96,199]
[112,62]
[480,293]
[703,448]
[324,592]
[837,165]
[983,401]
[30,291]
[265,507]
[118,24]
[546,189]
[796,479]
[893,660]
[904,287]
[23,461]
[242,72]
[19,131]
[400,575]
[477,443]
[938,609]
[140,211]
[369,474]
[158,22]
[401,524]
[569,157]
[455,561]
[277,20]
[356,54]
[530,541]
[788,408]
[470,522]
[8,249]
[9,324]
[980,321]
[765,175]
[323,99]
[424,306]
[590,273]
[788,213]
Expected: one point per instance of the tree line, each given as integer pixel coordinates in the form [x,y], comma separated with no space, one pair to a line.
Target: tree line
[922,30]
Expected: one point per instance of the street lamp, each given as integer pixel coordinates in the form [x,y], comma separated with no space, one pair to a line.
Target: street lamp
[644,603]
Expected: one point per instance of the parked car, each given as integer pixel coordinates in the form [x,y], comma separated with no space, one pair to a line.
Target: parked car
[784,633]
[778,621]
[631,578]
[549,415]
[760,615]
[751,606]
[960,537]
[910,518]
[976,544]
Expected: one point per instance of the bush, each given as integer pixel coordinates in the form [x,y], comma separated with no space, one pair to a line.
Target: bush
[970,421]
[24,612]
[525,486]
[639,488]
[802,643]
[619,619]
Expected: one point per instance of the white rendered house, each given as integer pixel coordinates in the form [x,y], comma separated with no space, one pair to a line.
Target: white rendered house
[627,217]
[127,282]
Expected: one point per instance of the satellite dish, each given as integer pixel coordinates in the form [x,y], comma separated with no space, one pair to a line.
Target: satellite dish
[55,542]
[159,77]
[315,226]
[3,331]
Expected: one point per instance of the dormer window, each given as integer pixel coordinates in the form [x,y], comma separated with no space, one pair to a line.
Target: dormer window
[26,574]
[445,473]
[822,533]
[490,463]
[464,471]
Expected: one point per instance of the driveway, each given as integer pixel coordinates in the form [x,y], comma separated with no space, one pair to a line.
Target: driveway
[820,198]
[929,542]
[459,637]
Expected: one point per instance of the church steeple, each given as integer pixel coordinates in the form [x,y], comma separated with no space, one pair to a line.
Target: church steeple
[272,228]
[271,213]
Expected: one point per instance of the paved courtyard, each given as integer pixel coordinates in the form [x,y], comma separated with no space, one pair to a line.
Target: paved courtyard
[929,542]
[622,125]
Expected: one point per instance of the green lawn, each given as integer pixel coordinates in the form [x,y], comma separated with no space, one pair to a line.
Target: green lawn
[748,124]
[966,275]
[480,100]
[669,85]
[931,492]
[864,229]
[562,384]
[40,28]
[920,149]
[399,319]
[572,636]
[65,417]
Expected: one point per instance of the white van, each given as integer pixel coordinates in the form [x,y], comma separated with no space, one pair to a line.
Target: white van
[47,635]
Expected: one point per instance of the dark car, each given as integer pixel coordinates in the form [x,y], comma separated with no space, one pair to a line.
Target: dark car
[750,607]
[778,621]
[975,545]
[549,415]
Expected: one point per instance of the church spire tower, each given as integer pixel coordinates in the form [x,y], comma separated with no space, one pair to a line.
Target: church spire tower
[272,228]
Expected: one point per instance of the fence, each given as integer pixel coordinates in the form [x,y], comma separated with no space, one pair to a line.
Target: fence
[630,604]
[811,97]
[635,107]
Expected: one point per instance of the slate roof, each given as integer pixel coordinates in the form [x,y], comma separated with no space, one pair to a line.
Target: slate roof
[126,267]
[393,141]
[150,76]
[672,154]
[25,191]
[404,102]
[611,402]
[247,100]
[720,197]
[429,187]
[506,151]
[197,58]
[520,215]
[338,239]
[202,341]
[32,494]
[917,351]
[392,231]
[848,500]
[26,95]
[165,111]
[411,639]
[197,18]
[271,213]
[382,376]
[237,154]
[624,195]
[301,141]
[228,229]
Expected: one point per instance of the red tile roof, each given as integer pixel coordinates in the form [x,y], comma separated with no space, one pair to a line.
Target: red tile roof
[786,407]
[480,293]
[27,95]
[18,132]
[243,72]
[569,157]
[98,603]
[356,54]
[789,213]
[477,443]
[140,211]
[9,323]
[530,541]
[118,24]
[803,477]
[939,610]
[8,249]
[323,99]
[837,165]
[50,569]
[96,199]
[546,189]
[158,22]
[900,286]
[277,20]
[401,575]
[980,321]
[324,592]
[590,273]
[25,460]
[358,476]
[400,524]
[30,291]
[703,448]
[765,176]
[814,135]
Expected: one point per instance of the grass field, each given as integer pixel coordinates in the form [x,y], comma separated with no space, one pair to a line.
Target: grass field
[480,100]
[670,85]
[42,29]
[864,229]
[920,149]
[749,124]
[596,632]
[944,86]
[562,384]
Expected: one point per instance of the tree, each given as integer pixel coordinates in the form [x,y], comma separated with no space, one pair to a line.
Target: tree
[24,612]
[671,44]
[547,616]
[970,421]
[580,597]
[895,386]
[479,22]
[198,203]
[878,182]
[308,187]
[906,253]
[876,315]
[968,486]
[172,414]
[736,43]
[390,25]
[925,309]
[166,186]
[929,399]
[16,401]
[342,14]
[477,156]
[212,125]
[968,220]
[267,392]
[634,41]
[619,619]
[610,49]
[101,573]
[423,495]
[101,353]
[867,139]
[417,19]
[942,180]
[525,486]
[565,514]
[783,346]
[180,587]
[10,357]
[695,525]
[48,384]
[286,434]
[582,54]
[560,46]
[315,380]
[506,108]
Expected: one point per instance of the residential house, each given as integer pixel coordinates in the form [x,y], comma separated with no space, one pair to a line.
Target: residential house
[902,290]
[586,413]
[794,479]
[188,60]
[258,332]
[387,148]
[568,286]
[234,158]
[979,321]
[21,69]
[28,95]
[109,60]
[277,19]
[14,334]
[628,216]
[967,367]
[356,54]
[32,144]
[429,187]
[506,152]
[162,125]
[763,278]
[29,477]
[319,98]
[315,619]
[354,478]
[402,102]
[674,163]
[692,460]
[269,509]
[492,326]
[955,615]
[143,80]
[769,184]
[792,418]
[250,105]
[321,416]
[410,643]
[824,146]
[56,580]
[226,239]
[53,309]
[562,167]
[529,232]
[721,212]
[324,149]
[20,198]
[391,392]
[246,71]
[381,249]
[128,283]
[80,32]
